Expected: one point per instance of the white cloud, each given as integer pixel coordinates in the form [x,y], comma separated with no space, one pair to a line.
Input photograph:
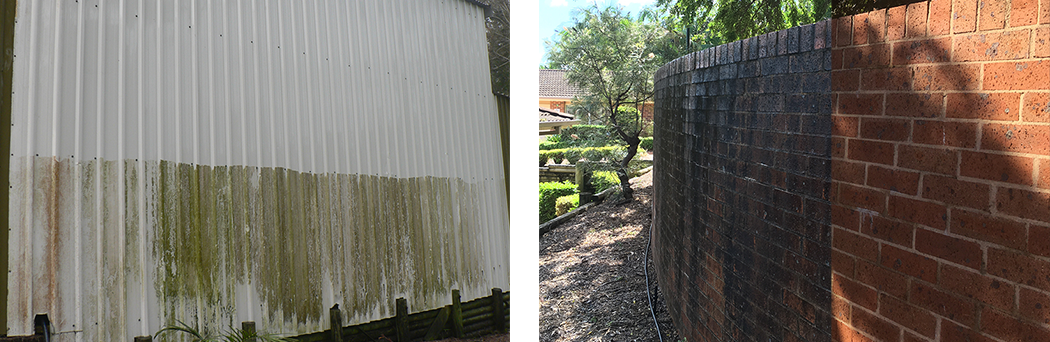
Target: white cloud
[559,3]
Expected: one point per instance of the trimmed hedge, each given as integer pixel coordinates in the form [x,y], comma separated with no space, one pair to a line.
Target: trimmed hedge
[566,204]
[575,154]
[588,135]
[602,180]
[647,144]
[549,193]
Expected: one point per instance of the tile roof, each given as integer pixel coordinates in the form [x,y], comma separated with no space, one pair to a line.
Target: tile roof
[549,115]
[554,84]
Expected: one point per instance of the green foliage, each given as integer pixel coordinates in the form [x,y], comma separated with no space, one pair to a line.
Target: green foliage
[587,136]
[549,193]
[602,180]
[230,335]
[575,154]
[547,145]
[566,204]
[647,144]
[715,22]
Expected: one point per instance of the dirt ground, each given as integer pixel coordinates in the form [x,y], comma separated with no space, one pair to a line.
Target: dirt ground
[486,338]
[592,284]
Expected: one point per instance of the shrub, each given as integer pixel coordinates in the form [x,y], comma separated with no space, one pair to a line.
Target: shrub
[549,193]
[602,180]
[547,145]
[566,204]
[587,135]
[647,144]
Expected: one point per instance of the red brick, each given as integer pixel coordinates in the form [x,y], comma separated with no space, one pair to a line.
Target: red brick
[912,337]
[925,213]
[1017,75]
[934,50]
[845,80]
[838,147]
[1016,138]
[847,218]
[875,326]
[929,105]
[964,16]
[883,279]
[1035,305]
[860,29]
[885,129]
[907,315]
[940,17]
[1044,8]
[846,171]
[943,303]
[947,133]
[836,60]
[895,23]
[842,263]
[886,230]
[916,25]
[1009,328]
[1039,240]
[1020,268]
[1000,106]
[1041,42]
[1036,107]
[842,31]
[899,79]
[902,181]
[840,309]
[854,292]
[1024,203]
[1024,12]
[860,104]
[867,56]
[992,14]
[870,199]
[949,248]
[939,160]
[997,167]
[843,333]
[1044,174]
[908,262]
[876,24]
[954,332]
[991,46]
[940,77]
[978,287]
[954,191]
[844,126]
[855,244]
[871,151]
[983,227]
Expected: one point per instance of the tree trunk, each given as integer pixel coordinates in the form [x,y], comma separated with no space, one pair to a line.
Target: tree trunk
[623,173]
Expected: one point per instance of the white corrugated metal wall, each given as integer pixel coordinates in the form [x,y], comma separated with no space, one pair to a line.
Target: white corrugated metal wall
[223,161]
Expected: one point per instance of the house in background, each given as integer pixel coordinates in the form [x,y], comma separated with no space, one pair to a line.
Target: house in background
[552,121]
[556,93]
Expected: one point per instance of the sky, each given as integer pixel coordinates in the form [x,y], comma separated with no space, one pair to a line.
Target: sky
[555,14]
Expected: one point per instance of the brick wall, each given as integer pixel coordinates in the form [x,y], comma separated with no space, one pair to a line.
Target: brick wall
[941,174]
[742,172]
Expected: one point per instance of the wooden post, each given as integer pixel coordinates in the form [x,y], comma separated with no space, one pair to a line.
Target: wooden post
[401,321]
[146,338]
[336,318]
[497,311]
[249,330]
[457,315]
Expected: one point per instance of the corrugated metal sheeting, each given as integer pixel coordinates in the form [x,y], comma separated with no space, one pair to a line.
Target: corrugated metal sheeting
[223,161]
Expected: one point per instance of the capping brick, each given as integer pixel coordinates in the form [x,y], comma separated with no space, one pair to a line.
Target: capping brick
[998,167]
[922,212]
[933,50]
[1016,138]
[1009,328]
[895,23]
[860,29]
[883,279]
[928,105]
[1024,12]
[991,46]
[938,77]
[953,249]
[947,133]
[985,106]
[954,191]
[841,32]
[916,20]
[976,286]
[902,181]
[964,16]
[1027,75]
[909,263]
[1024,203]
[939,160]
[876,26]
[908,316]
[940,17]
[942,303]
[992,14]
[992,229]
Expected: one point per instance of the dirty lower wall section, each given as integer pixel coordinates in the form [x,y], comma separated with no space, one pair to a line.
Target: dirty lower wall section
[742,165]
[294,243]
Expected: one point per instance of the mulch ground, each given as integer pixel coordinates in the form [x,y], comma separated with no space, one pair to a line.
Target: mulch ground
[592,282]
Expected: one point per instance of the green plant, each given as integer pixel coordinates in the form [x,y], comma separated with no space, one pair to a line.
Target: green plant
[549,193]
[566,204]
[230,335]
[647,144]
[602,180]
